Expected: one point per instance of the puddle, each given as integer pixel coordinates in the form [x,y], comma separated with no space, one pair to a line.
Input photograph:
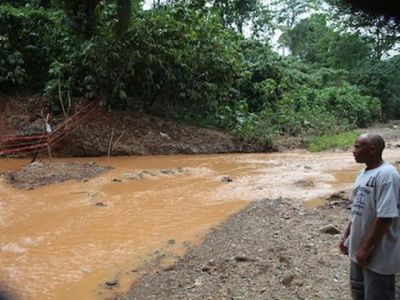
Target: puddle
[314,203]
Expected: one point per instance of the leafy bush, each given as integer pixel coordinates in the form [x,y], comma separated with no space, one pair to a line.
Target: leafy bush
[12,70]
[347,103]
[181,62]
[30,39]
[170,60]
[287,97]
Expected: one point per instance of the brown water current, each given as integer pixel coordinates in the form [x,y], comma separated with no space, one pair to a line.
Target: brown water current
[65,240]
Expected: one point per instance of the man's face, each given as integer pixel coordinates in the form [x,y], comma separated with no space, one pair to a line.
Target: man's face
[362,150]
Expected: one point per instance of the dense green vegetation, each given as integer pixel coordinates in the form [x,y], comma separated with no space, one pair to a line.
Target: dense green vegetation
[209,62]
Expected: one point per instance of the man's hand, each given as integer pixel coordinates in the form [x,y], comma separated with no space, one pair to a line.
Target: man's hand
[379,229]
[342,248]
[362,256]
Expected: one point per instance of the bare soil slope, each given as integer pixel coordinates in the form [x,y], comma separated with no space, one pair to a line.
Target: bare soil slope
[128,133]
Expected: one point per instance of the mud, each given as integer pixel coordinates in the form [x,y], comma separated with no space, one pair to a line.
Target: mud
[39,174]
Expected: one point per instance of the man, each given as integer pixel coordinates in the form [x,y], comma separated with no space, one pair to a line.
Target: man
[372,238]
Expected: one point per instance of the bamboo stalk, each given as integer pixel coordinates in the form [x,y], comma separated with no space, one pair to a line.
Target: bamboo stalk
[60,96]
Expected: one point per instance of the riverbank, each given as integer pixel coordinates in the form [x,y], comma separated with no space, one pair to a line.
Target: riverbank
[270,250]
[118,132]
[273,249]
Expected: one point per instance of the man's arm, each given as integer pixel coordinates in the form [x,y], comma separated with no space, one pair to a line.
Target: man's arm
[342,248]
[379,229]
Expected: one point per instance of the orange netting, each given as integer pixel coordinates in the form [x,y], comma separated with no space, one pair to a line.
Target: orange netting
[16,144]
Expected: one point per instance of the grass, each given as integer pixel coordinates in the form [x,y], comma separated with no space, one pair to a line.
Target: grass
[330,142]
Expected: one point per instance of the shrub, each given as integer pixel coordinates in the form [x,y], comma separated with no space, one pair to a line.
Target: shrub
[172,61]
[30,39]
[347,103]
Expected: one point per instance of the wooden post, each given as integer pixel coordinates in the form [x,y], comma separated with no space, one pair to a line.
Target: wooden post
[60,96]
[110,144]
[48,131]
[35,155]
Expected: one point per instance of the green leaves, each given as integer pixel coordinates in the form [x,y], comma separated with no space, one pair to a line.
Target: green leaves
[381,32]
[184,63]
[29,41]
[313,41]
[381,79]
[347,103]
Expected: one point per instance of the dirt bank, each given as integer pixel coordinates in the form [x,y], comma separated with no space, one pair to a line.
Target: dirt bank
[130,133]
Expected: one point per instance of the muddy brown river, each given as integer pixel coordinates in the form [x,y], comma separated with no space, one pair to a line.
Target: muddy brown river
[64,241]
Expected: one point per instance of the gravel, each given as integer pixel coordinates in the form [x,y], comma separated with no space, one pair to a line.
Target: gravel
[40,174]
[272,249]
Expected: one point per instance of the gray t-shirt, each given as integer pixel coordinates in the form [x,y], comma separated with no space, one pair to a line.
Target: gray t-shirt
[376,195]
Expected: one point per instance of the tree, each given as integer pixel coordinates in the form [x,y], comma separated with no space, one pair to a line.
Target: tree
[288,12]
[315,42]
[346,51]
[83,15]
[235,13]
[263,25]
[124,10]
[304,39]
[382,32]
[388,8]
[381,79]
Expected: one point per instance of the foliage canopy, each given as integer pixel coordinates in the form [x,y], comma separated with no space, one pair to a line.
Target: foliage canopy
[209,62]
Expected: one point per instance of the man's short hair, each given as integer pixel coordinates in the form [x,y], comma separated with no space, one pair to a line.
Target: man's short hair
[378,141]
